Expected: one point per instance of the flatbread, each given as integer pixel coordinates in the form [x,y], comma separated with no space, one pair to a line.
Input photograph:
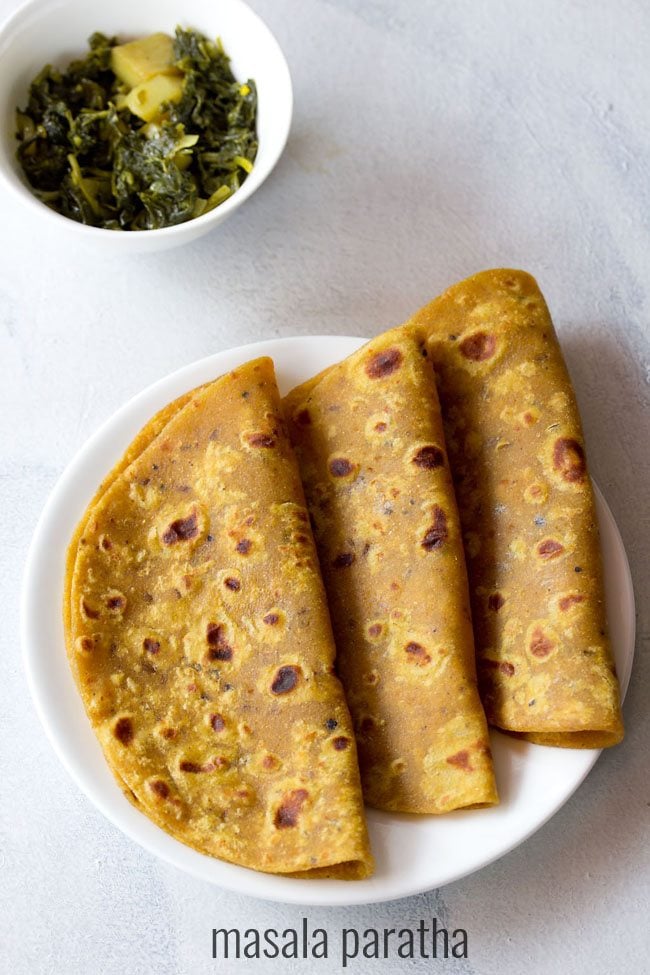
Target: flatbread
[199,637]
[140,442]
[518,457]
[369,440]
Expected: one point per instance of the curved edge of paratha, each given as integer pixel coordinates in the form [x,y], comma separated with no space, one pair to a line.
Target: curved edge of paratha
[143,438]
[358,868]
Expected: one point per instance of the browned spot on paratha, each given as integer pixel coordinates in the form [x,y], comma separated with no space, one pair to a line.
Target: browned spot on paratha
[159,788]
[429,457]
[436,535]
[479,346]
[384,363]
[218,646]
[550,548]
[286,679]
[540,644]
[341,467]
[123,730]
[417,654]
[181,530]
[461,760]
[287,814]
[569,460]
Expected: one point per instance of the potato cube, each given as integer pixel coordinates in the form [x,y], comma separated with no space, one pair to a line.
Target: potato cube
[146,99]
[136,61]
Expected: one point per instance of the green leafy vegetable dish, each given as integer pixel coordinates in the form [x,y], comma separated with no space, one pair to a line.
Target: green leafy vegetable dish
[141,135]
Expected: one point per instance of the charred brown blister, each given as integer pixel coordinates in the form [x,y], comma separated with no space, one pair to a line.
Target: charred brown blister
[123,730]
[181,530]
[429,457]
[549,549]
[436,535]
[384,363]
[159,788]
[288,812]
[478,347]
[540,644]
[569,460]
[115,602]
[286,679]
[340,467]
[417,654]
[218,646]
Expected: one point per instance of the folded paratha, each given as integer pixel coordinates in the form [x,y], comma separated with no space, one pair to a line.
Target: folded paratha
[369,439]
[199,636]
[518,457]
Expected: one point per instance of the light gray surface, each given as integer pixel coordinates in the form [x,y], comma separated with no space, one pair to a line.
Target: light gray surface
[430,140]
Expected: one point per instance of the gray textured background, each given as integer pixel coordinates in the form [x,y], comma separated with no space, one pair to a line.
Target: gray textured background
[430,140]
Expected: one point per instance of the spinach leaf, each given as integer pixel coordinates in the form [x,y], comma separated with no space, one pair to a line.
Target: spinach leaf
[88,157]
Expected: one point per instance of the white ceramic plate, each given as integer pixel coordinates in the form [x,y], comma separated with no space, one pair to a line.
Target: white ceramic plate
[413,853]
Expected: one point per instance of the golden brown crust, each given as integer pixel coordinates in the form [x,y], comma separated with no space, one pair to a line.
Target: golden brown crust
[142,440]
[369,440]
[199,637]
[518,457]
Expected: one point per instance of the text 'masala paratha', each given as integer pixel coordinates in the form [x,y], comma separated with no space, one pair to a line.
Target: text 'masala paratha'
[518,457]
[199,636]
[369,439]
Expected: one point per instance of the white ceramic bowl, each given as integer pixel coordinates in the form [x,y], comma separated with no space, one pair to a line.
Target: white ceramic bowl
[56,31]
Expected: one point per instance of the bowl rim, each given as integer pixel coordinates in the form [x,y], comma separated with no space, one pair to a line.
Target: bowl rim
[21,190]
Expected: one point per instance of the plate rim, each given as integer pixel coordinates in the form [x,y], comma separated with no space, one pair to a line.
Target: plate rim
[244,880]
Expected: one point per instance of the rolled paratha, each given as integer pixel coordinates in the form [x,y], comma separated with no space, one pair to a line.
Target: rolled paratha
[199,637]
[518,458]
[369,440]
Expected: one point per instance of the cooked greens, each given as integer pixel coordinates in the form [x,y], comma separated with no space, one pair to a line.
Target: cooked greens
[88,155]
